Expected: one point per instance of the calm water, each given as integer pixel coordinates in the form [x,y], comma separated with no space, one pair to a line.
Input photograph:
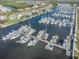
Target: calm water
[11,50]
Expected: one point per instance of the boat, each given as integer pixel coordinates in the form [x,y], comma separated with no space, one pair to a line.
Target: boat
[56,22]
[8,36]
[54,38]
[49,46]
[52,21]
[40,33]
[30,31]
[24,39]
[68,52]
[45,36]
[4,38]
[64,23]
[15,35]
[60,24]
[21,41]
[32,41]
[66,43]
[44,20]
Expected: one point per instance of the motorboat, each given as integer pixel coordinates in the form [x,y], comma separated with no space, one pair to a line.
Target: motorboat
[45,36]
[24,39]
[44,20]
[54,38]
[30,31]
[15,35]
[4,38]
[49,46]
[52,21]
[32,41]
[40,33]
[60,24]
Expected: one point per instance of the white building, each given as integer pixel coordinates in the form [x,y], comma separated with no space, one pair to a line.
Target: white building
[6,9]
[2,17]
[13,16]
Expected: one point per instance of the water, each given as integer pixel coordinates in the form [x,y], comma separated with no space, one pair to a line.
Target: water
[16,51]
[11,50]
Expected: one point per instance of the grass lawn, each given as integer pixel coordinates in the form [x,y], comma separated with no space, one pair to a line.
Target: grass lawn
[15,4]
[77,54]
[78,37]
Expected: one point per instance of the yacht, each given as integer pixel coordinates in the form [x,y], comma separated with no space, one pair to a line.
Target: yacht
[40,33]
[8,36]
[24,39]
[32,41]
[23,29]
[54,38]
[26,30]
[21,41]
[52,21]
[30,31]
[64,23]
[66,43]
[45,36]
[56,22]
[15,35]
[49,46]
[44,20]
[60,24]
[4,38]
[68,52]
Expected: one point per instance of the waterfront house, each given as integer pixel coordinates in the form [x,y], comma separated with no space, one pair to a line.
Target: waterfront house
[6,9]
[2,18]
[13,16]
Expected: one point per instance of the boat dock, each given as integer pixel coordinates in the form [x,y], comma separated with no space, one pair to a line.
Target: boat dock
[52,43]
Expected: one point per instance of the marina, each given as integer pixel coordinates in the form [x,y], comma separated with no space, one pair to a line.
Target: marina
[52,28]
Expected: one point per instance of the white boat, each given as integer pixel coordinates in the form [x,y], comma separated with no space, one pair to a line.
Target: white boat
[30,31]
[54,38]
[47,21]
[68,52]
[49,47]
[32,41]
[60,24]
[52,21]
[44,20]
[21,41]
[4,38]
[66,43]
[45,36]
[40,33]
[24,39]
[64,22]
[8,36]
[56,22]
[15,35]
